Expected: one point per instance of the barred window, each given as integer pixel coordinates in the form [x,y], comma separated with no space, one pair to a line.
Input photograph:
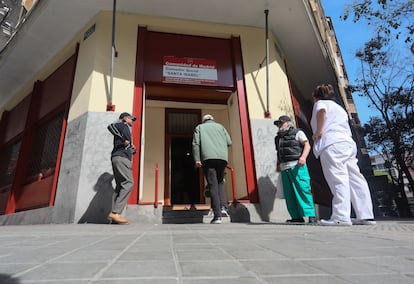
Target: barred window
[45,146]
[8,163]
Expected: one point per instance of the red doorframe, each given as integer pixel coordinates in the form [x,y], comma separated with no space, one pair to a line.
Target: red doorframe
[249,161]
[138,103]
[24,153]
[238,76]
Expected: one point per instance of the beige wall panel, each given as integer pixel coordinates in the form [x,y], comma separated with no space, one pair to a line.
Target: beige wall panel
[154,153]
[236,159]
[124,64]
[82,85]
[253,48]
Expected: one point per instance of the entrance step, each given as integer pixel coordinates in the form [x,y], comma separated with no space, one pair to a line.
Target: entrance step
[182,214]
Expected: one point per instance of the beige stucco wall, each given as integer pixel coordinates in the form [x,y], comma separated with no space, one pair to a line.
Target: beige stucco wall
[253,48]
[153,151]
[237,160]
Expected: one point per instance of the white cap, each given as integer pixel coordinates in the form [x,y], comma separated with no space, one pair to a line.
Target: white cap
[208,117]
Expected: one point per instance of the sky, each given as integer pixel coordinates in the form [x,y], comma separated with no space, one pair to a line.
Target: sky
[351,37]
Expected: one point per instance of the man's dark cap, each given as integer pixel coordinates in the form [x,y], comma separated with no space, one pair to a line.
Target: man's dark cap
[283,118]
[126,114]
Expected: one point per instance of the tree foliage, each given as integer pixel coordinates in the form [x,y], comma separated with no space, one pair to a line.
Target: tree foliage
[388,83]
[390,18]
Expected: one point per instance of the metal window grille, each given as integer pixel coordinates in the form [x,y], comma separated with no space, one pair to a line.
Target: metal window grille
[45,146]
[8,163]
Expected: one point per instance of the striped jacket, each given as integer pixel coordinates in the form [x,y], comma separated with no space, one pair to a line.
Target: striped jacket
[121,132]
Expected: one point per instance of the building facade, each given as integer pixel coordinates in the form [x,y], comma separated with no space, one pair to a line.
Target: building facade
[169,64]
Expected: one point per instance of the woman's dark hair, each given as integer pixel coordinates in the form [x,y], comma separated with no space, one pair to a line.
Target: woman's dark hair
[324,91]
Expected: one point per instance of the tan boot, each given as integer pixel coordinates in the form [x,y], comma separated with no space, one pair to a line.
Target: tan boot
[117,219]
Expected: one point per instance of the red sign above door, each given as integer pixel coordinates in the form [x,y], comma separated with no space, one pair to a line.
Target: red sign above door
[184,70]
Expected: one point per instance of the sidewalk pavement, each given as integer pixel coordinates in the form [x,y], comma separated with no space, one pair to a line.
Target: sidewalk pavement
[208,253]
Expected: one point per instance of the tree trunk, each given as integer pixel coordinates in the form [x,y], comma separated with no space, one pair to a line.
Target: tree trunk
[402,203]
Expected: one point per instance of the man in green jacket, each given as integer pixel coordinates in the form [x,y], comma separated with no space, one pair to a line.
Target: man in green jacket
[210,143]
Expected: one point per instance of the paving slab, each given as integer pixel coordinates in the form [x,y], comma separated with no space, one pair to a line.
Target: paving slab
[207,253]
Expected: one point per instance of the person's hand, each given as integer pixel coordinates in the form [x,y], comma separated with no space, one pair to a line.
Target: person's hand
[133,149]
[278,167]
[301,161]
[198,164]
[130,147]
[317,136]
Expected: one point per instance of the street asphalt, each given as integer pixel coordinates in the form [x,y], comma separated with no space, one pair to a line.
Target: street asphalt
[241,253]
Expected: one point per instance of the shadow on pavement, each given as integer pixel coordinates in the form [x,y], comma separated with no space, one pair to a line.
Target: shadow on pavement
[7,279]
[100,205]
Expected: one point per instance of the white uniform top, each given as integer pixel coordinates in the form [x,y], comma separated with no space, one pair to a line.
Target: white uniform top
[301,137]
[336,128]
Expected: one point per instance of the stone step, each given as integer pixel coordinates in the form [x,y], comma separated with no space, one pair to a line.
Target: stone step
[239,213]
[189,216]
[183,216]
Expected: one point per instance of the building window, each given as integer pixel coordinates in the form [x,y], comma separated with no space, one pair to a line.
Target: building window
[8,164]
[45,147]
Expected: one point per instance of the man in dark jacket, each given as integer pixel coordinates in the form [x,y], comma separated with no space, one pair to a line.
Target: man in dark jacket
[121,158]
[293,148]
[210,143]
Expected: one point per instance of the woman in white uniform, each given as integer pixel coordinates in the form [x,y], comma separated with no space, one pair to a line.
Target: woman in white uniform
[334,145]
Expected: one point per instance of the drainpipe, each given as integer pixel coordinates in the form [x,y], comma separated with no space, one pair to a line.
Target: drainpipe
[267,113]
[110,106]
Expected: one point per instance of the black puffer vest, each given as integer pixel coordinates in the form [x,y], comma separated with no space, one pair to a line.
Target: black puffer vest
[287,147]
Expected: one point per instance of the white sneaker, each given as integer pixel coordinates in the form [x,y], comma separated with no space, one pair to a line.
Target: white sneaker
[224,212]
[363,222]
[331,222]
[216,220]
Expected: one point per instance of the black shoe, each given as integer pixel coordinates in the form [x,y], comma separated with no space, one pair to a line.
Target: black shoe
[312,220]
[295,220]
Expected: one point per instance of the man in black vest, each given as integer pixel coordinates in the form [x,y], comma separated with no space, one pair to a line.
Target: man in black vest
[121,158]
[293,148]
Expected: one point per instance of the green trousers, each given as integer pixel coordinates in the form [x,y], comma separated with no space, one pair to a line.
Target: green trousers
[297,191]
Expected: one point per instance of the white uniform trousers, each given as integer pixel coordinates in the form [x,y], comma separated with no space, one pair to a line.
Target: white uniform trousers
[347,184]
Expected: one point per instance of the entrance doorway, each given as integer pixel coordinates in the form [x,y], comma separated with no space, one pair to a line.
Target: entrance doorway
[185,182]
[184,178]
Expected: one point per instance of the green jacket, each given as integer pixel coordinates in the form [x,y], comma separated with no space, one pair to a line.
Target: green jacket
[210,141]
